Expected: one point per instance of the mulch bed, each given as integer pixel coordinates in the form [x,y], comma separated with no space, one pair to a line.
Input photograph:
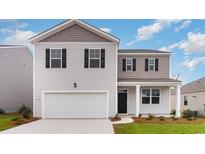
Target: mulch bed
[115,119]
[169,120]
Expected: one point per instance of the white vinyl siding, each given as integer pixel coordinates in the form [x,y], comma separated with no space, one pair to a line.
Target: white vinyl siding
[86,79]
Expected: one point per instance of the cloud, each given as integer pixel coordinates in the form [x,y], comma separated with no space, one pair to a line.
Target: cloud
[195,43]
[184,25]
[191,64]
[14,33]
[146,32]
[170,47]
[105,29]
[19,37]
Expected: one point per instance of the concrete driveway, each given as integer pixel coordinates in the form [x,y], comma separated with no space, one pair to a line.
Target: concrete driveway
[64,126]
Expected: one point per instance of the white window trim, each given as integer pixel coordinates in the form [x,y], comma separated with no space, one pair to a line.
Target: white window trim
[149,59]
[186,100]
[55,58]
[94,58]
[129,64]
[150,101]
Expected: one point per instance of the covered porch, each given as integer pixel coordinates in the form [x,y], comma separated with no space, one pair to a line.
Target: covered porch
[147,96]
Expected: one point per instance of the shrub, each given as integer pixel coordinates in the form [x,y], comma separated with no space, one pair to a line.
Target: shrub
[22,108]
[2,111]
[161,118]
[195,113]
[26,113]
[173,112]
[140,115]
[189,113]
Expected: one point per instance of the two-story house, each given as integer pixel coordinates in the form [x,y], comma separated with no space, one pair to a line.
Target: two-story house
[79,72]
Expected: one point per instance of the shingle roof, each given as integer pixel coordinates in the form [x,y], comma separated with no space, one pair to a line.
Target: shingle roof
[147,80]
[140,51]
[197,85]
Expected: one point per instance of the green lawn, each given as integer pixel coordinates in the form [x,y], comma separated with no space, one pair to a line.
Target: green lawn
[6,121]
[139,128]
[12,120]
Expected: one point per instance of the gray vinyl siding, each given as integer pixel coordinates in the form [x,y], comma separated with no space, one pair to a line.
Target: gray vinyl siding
[75,33]
[194,103]
[140,72]
[86,78]
[16,78]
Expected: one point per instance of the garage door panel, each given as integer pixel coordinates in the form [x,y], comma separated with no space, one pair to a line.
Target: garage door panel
[75,105]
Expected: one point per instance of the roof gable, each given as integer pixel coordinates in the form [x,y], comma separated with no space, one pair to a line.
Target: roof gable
[82,26]
[75,33]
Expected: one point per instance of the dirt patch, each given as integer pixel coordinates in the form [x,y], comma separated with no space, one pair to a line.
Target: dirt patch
[115,119]
[169,120]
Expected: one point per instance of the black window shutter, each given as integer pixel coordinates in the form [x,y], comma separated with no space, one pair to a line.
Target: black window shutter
[134,64]
[86,58]
[47,58]
[102,58]
[64,58]
[146,64]
[123,64]
[156,64]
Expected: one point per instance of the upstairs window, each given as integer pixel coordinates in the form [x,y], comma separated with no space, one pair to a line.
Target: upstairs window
[94,56]
[128,64]
[185,100]
[151,64]
[56,58]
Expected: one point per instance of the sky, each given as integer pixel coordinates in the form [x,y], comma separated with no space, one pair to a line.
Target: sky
[184,38]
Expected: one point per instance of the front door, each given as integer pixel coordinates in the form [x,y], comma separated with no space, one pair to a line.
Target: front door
[122,102]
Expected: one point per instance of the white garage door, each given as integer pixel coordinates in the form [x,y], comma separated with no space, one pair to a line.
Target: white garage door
[75,105]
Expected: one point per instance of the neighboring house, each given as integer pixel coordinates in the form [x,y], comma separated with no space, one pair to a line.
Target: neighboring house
[192,96]
[79,72]
[16,77]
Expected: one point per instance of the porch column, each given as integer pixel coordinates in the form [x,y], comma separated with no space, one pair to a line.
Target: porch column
[137,100]
[178,100]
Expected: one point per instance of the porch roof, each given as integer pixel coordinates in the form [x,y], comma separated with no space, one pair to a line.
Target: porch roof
[148,82]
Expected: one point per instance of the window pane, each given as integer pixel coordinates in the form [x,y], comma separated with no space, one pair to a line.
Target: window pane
[145,100]
[151,61]
[55,53]
[155,92]
[55,63]
[92,54]
[97,54]
[129,61]
[94,63]
[155,100]
[145,92]
[151,67]
[129,68]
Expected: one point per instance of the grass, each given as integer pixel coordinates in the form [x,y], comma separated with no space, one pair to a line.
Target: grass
[167,126]
[11,120]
